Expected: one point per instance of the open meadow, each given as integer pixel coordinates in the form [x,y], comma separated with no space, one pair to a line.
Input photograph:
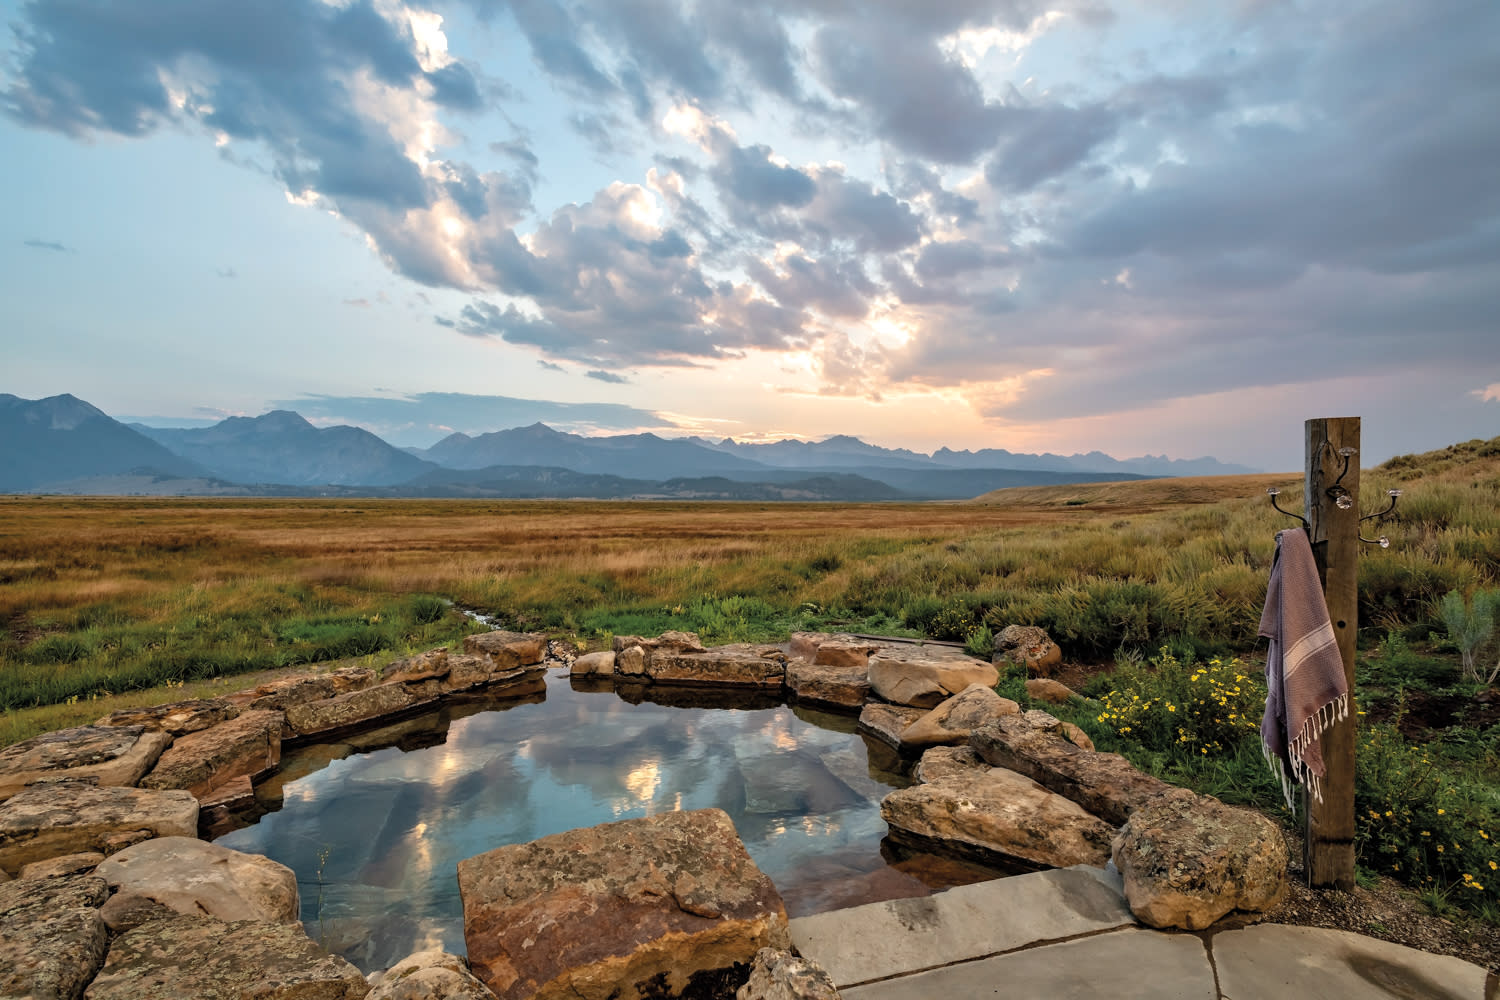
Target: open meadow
[1153,589]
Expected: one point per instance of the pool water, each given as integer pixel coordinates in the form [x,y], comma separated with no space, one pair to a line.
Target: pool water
[374,827]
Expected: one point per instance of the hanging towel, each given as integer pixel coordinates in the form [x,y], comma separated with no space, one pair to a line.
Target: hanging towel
[1306,691]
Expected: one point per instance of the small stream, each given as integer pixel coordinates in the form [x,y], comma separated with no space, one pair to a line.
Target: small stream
[375,826]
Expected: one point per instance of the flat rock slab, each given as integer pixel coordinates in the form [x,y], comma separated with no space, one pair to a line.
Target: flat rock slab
[283,694]
[636,908]
[68,864]
[192,877]
[865,943]
[357,708]
[1122,965]
[950,723]
[737,665]
[994,815]
[1105,784]
[47,821]
[211,960]
[1274,962]
[844,685]
[106,755]
[924,676]
[52,938]
[201,762]
[178,718]
[887,722]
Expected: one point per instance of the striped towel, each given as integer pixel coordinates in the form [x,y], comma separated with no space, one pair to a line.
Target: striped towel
[1306,691]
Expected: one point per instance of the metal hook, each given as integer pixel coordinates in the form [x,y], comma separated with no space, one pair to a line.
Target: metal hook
[1337,493]
[1382,541]
[1273,493]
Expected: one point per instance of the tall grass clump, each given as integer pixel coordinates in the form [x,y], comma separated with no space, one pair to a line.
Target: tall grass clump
[1471,625]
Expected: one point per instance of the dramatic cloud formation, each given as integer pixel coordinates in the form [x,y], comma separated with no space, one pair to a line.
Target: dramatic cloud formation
[1050,211]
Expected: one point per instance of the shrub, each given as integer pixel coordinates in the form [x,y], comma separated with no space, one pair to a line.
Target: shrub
[1471,624]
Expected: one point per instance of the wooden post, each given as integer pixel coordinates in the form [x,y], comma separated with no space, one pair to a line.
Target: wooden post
[1328,841]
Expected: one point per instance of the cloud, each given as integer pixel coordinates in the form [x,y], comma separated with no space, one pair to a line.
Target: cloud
[550,366]
[609,377]
[48,245]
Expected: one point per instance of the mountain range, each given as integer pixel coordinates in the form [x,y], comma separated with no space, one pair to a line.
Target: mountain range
[64,445]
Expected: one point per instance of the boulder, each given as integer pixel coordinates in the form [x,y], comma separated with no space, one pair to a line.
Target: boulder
[1188,859]
[780,975]
[738,665]
[429,666]
[508,650]
[1028,646]
[600,664]
[831,650]
[355,708]
[124,912]
[993,814]
[203,761]
[70,817]
[1105,784]
[924,676]
[428,975]
[940,762]
[1045,689]
[105,755]
[844,686]
[466,671]
[641,907]
[631,662]
[178,718]
[1042,721]
[283,694]
[53,938]
[670,642]
[212,960]
[951,722]
[196,878]
[887,722]
[67,864]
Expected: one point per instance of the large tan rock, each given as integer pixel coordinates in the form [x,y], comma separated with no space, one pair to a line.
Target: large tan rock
[951,722]
[508,650]
[178,718]
[283,694]
[599,664]
[831,650]
[887,722]
[780,975]
[428,975]
[669,642]
[924,676]
[846,686]
[737,665]
[105,755]
[193,877]
[634,908]
[996,814]
[356,708]
[209,959]
[630,663]
[939,762]
[70,817]
[1048,690]
[467,671]
[1105,784]
[1028,646]
[428,666]
[209,759]
[52,939]
[1189,859]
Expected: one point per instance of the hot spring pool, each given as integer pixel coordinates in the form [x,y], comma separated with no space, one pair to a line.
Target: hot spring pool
[375,826]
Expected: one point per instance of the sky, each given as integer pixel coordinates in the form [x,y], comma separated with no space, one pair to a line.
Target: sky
[1158,227]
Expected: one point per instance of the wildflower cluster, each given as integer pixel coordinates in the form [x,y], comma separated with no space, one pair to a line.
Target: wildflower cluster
[1414,821]
[1202,709]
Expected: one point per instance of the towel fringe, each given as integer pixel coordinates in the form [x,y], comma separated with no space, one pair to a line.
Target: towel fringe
[1337,710]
